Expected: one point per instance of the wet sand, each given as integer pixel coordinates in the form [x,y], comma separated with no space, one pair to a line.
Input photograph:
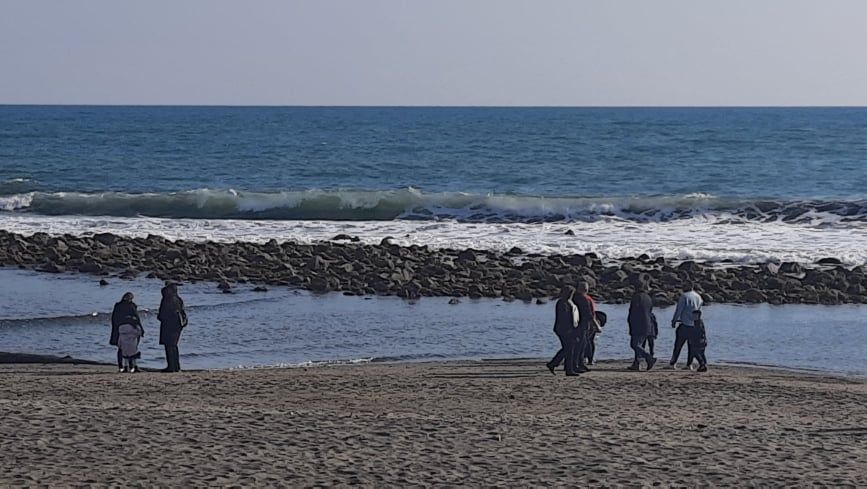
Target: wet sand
[460,423]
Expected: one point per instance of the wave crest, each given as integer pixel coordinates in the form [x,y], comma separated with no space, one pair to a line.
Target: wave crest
[412,204]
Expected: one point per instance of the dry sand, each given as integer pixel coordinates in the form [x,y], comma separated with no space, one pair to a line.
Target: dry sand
[506,423]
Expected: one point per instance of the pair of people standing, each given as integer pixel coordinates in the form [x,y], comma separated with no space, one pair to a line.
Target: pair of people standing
[127,332]
[690,329]
[687,319]
[575,325]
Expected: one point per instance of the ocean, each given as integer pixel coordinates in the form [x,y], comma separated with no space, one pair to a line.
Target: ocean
[749,185]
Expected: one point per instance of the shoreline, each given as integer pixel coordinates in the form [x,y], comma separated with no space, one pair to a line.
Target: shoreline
[412,272]
[22,358]
[499,422]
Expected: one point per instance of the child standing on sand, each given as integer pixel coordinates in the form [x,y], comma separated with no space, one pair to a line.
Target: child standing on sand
[129,336]
[698,341]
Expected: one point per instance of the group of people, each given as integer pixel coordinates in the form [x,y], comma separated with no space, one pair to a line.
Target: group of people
[127,330]
[577,322]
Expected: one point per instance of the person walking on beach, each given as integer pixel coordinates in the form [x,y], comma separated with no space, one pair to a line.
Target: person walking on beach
[595,329]
[698,340]
[689,302]
[641,324]
[124,312]
[650,341]
[173,319]
[565,322]
[586,319]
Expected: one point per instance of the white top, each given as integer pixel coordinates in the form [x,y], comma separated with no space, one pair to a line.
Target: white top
[688,302]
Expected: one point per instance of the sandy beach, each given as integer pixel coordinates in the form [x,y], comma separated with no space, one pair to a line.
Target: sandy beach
[457,423]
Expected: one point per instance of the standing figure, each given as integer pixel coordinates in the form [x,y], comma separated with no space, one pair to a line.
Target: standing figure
[124,312]
[641,326]
[698,341]
[565,321]
[129,336]
[172,319]
[689,302]
[586,318]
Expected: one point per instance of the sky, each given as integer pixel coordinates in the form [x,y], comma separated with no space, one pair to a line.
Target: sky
[434,52]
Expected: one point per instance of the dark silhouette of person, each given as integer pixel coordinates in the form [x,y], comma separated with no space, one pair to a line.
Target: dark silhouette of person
[172,319]
[124,312]
[565,321]
[585,315]
[641,326]
[650,341]
[698,340]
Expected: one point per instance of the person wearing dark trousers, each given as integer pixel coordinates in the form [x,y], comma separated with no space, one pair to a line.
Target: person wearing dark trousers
[640,321]
[124,312]
[650,341]
[585,316]
[698,341]
[601,320]
[689,302]
[172,319]
[565,321]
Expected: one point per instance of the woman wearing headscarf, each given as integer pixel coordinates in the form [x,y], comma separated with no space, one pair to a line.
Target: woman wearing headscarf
[172,319]
[124,312]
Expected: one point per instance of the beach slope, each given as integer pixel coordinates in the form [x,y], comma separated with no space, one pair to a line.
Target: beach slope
[473,423]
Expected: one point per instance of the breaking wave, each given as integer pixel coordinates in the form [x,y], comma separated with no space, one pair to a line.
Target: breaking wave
[412,204]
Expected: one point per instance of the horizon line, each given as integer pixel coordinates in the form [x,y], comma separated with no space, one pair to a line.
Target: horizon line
[399,106]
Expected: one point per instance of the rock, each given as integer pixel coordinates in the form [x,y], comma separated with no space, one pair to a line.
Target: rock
[569,232]
[103,282]
[386,241]
[454,300]
[260,289]
[829,261]
[346,237]
[754,296]
[90,267]
[791,267]
[467,255]
[51,267]
[541,302]
[689,266]
[515,251]
[105,238]
[224,286]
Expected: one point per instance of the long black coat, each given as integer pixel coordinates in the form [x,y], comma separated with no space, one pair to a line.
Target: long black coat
[640,317]
[124,313]
[170,317]
[585,312]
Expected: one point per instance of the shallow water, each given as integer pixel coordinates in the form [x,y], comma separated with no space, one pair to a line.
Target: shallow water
[285,327]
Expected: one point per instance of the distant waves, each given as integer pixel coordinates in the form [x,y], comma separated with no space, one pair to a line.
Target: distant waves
[413,204]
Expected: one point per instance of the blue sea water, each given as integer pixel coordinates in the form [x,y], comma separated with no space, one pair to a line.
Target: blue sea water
[749,185]
[291,328]
[749,153]
[743,184]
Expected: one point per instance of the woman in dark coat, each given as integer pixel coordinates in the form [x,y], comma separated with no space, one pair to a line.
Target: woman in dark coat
[172,319]
[125,312]
[641,325]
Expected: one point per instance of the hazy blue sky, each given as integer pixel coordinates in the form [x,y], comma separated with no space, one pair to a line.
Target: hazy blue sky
[436,52]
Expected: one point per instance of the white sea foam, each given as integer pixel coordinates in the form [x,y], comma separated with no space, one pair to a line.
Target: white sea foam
[700,238]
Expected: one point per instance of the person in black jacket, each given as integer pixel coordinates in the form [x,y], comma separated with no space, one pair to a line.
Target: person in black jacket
[582,332]
[698,341]
[172,319]
[641,326]
[565,320]
[124,312]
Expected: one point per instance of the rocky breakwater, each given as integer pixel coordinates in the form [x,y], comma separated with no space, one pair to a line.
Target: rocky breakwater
[411,272]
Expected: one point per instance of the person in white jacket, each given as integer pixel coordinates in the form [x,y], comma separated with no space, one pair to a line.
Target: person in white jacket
[129,336]
[689,302]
